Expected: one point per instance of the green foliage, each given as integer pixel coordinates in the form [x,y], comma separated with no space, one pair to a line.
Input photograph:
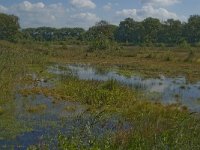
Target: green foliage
[102,44]
[9,27]
[53,34]
[154,126]
[148,32]
[192,29]
[14,63]
[171,32]
[184,44]
[102,30]
[101,36]
[151,26]
[129,31]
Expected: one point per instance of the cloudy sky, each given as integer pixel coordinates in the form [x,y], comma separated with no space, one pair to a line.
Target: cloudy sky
[84,13]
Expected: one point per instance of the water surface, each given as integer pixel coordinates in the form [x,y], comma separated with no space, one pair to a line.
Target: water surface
[56,117]
[163,89]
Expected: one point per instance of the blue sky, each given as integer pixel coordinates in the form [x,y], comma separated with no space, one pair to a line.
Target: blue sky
[84,13]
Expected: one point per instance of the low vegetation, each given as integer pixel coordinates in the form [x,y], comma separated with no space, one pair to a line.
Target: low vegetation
[153,125]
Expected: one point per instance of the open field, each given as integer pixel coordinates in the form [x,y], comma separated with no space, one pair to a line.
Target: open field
[39,108]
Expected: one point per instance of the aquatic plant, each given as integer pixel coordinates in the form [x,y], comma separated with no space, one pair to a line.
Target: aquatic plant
[36,109]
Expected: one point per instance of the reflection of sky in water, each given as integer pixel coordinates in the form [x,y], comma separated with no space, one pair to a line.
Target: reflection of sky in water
[47,124]
[170,89]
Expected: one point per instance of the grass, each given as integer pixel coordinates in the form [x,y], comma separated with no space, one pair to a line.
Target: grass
[1,111]
[36,109]
[70,108]
[15,60]
[166,61]
[154,126]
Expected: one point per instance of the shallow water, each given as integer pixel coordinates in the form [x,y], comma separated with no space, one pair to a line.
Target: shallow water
[162,89]
[55,117]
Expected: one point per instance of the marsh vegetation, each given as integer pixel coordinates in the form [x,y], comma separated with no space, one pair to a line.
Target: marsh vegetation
[70,94]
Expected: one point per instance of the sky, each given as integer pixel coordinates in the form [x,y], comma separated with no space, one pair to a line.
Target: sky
[85,13]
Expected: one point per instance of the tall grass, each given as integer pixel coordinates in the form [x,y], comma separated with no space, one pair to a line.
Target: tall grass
[15,61]
[154,126]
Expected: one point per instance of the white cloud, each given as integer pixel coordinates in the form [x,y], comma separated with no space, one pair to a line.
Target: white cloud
[127,13]
[85,19]
[160,2]
[160,13]
[107,7]
[83,4]
[52,15]
[3,9]
[151,8]
[38,14]
[58,15]
[147,11]
[26,5]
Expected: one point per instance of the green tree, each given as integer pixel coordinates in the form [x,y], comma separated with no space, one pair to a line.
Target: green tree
[170,32]
[101,36]
[192,29]
[53,34]
[152,27]
[101,30]
[129,31]
[9,26]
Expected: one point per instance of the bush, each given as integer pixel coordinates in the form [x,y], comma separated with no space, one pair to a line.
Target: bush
[103,44]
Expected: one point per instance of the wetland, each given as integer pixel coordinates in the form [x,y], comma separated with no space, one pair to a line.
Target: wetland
[51,102]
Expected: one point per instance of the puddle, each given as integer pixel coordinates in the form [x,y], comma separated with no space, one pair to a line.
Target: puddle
[52,109]
[166,90]
[69,118]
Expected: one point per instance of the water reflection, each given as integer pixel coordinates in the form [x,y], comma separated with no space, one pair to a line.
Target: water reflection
[170,90]
[69,118]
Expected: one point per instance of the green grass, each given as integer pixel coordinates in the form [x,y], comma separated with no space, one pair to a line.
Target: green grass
[146,61]
[1,111]
[36,109]
[154,126]
[15,60]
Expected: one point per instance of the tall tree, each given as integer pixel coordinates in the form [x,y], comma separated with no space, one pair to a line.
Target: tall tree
[129,31]
[101,30]
[9,26]
[152,27]
[101,36]
[53,34]
[170,32]
[192,29]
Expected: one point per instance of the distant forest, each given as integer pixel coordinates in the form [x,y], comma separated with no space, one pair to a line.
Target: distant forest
[149,31]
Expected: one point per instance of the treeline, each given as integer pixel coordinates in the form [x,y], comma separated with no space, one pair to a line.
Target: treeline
[53,34]
[149,31]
